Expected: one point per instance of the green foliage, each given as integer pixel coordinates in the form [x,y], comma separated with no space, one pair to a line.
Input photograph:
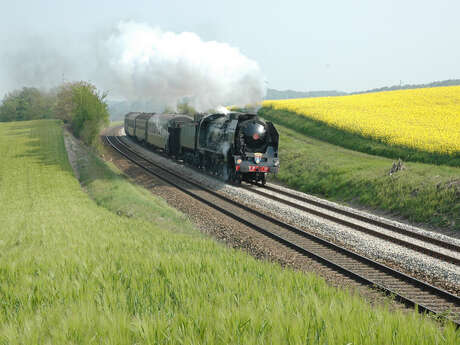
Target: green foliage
[421,193]
[168,110]
[64,108]
[322,131]
[89,112]
[72,272]
[185,108]
[26,104]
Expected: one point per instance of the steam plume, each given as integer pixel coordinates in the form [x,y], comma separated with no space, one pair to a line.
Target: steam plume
[146,62]
[137,62]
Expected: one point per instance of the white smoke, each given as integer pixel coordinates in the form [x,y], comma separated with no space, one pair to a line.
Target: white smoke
[148,63]
[137,62]
[222,110]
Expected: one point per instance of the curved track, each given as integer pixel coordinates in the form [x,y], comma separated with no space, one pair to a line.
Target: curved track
[408,290]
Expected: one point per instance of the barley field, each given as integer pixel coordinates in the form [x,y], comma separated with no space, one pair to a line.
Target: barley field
[423,119]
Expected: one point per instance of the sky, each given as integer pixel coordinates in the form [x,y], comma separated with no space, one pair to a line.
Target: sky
[302,45]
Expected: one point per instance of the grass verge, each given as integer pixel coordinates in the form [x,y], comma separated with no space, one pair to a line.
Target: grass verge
[107,186]
[73,272]
[319,130]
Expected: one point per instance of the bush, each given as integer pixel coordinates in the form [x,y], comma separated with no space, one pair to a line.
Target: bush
[88,112]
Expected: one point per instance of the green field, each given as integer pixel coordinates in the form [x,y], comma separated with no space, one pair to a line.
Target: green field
[72,271]
[422,193]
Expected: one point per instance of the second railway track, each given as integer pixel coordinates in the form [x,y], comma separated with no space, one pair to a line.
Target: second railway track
[359,268]
[363,224]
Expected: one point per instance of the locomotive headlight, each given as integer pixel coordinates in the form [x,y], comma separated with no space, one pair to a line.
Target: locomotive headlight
[239,161]
[276,162]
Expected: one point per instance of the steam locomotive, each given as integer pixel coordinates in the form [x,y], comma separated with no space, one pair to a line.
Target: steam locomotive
[235,146]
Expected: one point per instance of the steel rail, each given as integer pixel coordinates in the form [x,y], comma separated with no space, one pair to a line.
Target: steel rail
[447,298]
[364,218]
[364,229]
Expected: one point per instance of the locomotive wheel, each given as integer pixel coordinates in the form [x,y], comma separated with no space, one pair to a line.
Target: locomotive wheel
[225,173]
[197,160]
[238,179]
[263,181]
[234,177]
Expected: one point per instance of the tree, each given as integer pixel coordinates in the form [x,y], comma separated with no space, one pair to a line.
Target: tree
[27,104]
[168,110]
[185,108]
[65,107]
[8,110]
[90,112]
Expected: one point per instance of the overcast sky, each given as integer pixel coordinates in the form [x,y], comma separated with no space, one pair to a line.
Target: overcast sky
[302,45]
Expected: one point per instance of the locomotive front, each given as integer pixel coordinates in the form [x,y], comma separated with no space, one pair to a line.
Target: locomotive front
[237,146]
[255,151]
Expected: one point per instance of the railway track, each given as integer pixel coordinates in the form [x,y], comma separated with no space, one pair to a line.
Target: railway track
[403,287]
[410,239]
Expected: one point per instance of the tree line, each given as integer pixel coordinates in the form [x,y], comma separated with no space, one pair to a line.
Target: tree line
[78,104]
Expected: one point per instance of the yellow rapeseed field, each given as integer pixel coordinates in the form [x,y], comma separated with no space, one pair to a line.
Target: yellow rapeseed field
[426,119]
